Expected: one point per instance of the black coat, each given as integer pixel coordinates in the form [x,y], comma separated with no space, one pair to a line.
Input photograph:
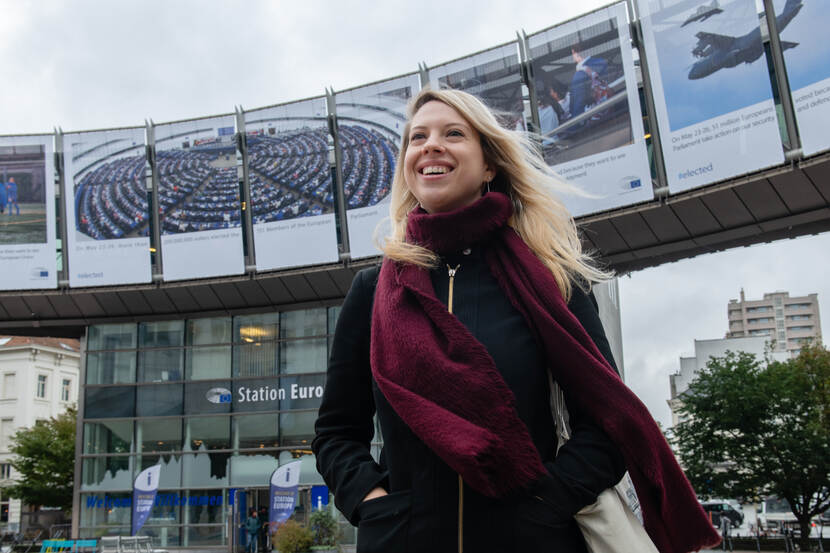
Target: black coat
[420,514]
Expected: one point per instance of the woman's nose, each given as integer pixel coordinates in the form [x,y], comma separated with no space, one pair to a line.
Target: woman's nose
[432,144]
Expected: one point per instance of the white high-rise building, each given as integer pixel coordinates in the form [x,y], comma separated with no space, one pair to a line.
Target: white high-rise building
[704,351]
[38,381]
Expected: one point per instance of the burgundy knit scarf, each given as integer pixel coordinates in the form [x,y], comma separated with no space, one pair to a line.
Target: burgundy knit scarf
[445,386]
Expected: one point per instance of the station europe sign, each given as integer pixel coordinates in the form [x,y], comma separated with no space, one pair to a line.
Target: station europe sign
[245,394]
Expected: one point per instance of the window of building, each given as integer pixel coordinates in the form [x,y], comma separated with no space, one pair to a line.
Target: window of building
[9,386]
[6,432]
[110,367]
[761,332]
[799,317]
[161,334]
[108,437]
[41,386]
[202,332]
[800,328]
[798,305]
[160,365]
[66,389]
[5,471]
[303,323]
[760,320]
[114,336]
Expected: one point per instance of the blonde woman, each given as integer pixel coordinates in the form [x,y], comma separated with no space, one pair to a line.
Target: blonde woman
[483,295]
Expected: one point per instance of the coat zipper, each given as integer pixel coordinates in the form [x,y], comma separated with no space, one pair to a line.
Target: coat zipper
[451,273]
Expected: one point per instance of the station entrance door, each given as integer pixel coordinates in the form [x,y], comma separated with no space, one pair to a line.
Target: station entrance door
[246,499]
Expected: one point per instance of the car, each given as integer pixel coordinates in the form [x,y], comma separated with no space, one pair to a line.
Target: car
[719,508]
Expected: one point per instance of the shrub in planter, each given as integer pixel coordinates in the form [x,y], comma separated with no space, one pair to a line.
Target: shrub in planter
[292,537]
[323,528]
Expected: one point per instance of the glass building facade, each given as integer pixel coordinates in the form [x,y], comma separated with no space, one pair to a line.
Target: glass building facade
[219,403]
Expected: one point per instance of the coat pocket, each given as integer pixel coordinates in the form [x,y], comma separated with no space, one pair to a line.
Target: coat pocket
[384,522]
[538,525]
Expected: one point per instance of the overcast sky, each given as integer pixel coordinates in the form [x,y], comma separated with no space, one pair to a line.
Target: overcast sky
[100,64]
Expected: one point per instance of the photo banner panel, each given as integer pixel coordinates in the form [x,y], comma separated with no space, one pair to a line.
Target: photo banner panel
[292,198]
[199,208]
[801,27]
[107,217]
[494,76]
[27,213]
[712,90]
[589,110]
[371,121]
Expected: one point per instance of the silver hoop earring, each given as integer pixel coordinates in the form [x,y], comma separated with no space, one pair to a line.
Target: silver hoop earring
[487,185]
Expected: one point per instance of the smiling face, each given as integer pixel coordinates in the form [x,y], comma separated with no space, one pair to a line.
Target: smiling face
[444,165]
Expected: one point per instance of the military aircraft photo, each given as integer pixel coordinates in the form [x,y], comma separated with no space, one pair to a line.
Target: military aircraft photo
[717,52]
[704,12]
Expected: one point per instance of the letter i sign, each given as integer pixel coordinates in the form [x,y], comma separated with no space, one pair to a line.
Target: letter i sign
[288,475]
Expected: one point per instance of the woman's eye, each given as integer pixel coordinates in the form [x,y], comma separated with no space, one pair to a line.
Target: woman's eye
[455,132]
[417,136]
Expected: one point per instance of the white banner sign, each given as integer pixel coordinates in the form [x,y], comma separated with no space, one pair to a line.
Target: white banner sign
[801,26]
[107,216]
[589,110]
[27,213]
[371,121]
[292,198]
[200,215]
[712,90]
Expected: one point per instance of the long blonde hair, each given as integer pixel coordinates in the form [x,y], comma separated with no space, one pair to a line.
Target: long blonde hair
[539,218]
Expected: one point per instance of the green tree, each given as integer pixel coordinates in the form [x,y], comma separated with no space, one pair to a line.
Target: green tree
[45,461]
[753,429]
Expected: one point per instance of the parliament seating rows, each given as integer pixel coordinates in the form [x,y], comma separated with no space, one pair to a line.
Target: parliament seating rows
[289,177]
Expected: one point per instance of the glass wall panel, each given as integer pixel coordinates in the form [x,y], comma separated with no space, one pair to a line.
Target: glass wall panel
[171,469]
[160,365]
[256,328]
[204,433]
[256,359]
[163,536]
[109,402]
[303,322]
[304,356]
[205,507]
[334,313]
[159,435]
[108,437]
[161,334]
[253,469]
[207,397]
[160,400]
[117,336]
[205,470]
[297,428]
[110,367]
[209,331]
[112,509]
[104,531]
[107,473]
[256,431]
[205,535]
[208,362]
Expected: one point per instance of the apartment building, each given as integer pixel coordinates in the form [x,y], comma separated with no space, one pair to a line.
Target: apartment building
[787,322]
[39,379]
